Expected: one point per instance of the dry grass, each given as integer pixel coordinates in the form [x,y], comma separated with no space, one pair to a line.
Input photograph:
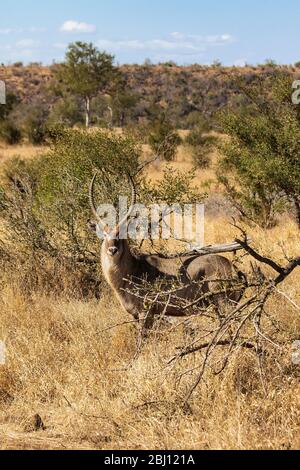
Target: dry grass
[22,151]
[64,364]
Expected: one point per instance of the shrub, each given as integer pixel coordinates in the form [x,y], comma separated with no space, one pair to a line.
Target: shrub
[35,127]
[195,119]
[261,164]
[32,119]
[201,145]
[163,139]
[271,63]
[9,133]
[12,101]
[44,208]
[66,111]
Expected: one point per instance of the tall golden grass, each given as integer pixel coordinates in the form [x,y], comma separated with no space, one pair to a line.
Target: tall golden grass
[66,362]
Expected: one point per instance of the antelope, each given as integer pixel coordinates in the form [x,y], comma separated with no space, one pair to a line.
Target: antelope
[120,267]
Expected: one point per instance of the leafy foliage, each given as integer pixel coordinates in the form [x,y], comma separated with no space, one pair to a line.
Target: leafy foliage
[9,133]
[175,187]
[261,163]
[85,72]
[201,145]
[11,101]
[45,210]
[44,207]
[163,139]
[66,111]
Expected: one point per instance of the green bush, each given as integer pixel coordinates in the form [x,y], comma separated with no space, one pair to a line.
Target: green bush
[201,145]
[163,139]
[9,133]
[31,119]
[195,119]
[261,161]
[36,132]
[35,127]
[66,111]
[12,101]
[44,208]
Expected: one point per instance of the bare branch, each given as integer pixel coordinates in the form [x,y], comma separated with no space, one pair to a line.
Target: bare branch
[258,257]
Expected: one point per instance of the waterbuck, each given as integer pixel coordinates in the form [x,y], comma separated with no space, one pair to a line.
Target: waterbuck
[199,277]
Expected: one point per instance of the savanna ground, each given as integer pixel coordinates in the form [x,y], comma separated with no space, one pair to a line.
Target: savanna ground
[66,363]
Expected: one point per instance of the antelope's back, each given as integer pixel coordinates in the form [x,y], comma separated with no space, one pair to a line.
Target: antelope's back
[193,267]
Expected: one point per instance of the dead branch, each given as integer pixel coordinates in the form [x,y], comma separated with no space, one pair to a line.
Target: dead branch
[287,271]
[210,250]
[226,342]
[247,325]
[262,259]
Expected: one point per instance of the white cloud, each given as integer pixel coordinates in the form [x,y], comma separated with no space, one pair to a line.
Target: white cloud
[10,31]
[72,26]
[25,53]
[32,29]
[5,47]
[37,29]
[26,43]
[177,42]
[177,35]
[117,45]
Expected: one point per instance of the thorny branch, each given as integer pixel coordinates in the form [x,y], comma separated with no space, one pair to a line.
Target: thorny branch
[226,326]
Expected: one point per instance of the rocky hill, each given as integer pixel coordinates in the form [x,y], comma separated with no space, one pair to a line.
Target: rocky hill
[179,90]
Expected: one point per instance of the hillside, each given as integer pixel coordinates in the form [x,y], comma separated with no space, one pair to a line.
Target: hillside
[179,90]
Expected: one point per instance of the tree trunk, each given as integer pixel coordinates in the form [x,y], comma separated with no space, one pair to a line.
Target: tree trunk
[111,116]
[87,112]
[297,207]
[122,119]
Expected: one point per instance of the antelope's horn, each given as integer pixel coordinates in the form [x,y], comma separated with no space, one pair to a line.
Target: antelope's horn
[133,202]
[92,200]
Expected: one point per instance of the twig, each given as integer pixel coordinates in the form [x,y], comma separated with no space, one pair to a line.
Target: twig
[288,298]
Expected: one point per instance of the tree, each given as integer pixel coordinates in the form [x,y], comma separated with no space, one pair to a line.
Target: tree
[123,104]
[31,119]
[164,139]
[201,144]
[261,164]
[85,73]
[11,101]
[66,111]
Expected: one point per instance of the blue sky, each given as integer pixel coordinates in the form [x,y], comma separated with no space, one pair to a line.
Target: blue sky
[185,31]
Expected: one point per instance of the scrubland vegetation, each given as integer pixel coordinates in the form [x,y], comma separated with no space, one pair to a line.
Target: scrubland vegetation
[76,375]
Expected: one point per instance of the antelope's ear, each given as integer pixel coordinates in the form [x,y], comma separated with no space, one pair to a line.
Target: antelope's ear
[92,226]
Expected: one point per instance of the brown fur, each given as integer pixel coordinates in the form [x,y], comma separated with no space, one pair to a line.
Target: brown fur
[122,267]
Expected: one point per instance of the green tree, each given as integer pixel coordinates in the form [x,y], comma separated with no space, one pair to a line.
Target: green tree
[31,119]
[164,139]
[261,164]
[66,111]
[11,101]
[9,133]
[85,73]
[201,144]
[123,105]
